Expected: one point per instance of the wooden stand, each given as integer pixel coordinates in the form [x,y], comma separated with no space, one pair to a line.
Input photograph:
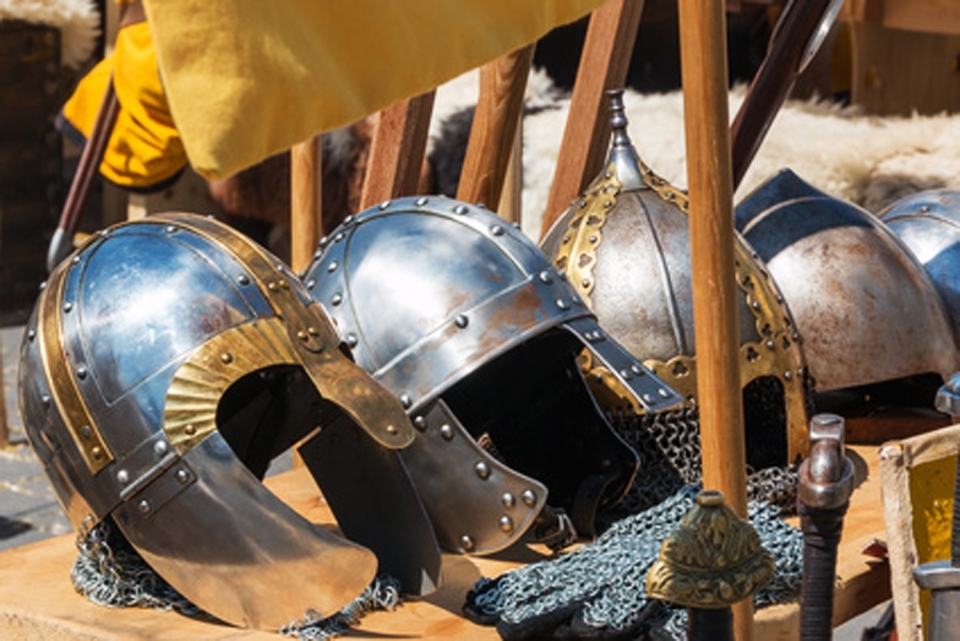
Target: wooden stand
[37,600]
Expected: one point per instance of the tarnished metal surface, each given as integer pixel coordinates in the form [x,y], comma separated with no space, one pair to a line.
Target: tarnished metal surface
[866,309]
[928,223]
[196,357]
[625,247]
[432,295]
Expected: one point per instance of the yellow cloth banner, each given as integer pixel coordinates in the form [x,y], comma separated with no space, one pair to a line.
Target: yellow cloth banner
[144,147]
[246,79]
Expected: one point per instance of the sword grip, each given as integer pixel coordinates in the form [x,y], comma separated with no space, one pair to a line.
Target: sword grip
[709,624]
[821,539]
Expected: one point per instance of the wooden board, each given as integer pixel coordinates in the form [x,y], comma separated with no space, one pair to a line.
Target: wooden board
[37,600]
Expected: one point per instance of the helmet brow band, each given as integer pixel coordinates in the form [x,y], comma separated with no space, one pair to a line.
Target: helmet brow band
[190,411]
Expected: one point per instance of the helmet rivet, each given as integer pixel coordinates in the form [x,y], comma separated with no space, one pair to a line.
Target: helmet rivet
[460,209]
[608,204]
[284,284]
[32,334]
[170,229]
[182,476]
[420,202]
[924,209]
[461,321]
[144,506]
[466,542]
[406,401]
[123,477]
[506,524]
[226,358]
[338,237]
[755,304]
[770,345]
[85,431]
[391,428]
[626,374]
[788,375]
[313,331]
[420,423]
[508,500]
[593,238]
[45,400]
[562,304]
[43,285]
[648,398]
[323,241]
[190,429]
[332,267]
[585,282]
[576,299]
[76,260]
[636,369]
[529,498]
[160,448]
[496,230]
[566,239]
[446,432]
[96,452]
[81,372]
[663,393]
[351,340]
[545,277]
[311,284]
[336,300]
[243,279]
[302,335]
[482,470]
[272,286]
[67,307]
[384,205]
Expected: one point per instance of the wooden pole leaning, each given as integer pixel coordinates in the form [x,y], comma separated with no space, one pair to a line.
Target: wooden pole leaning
[306,210]
[716,331]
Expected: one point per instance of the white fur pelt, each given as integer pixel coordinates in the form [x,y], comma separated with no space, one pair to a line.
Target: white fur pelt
[868,160]
[77,20]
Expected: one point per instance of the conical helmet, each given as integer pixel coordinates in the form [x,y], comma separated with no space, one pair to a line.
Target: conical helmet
[165,364]
[625,247]
[467,322]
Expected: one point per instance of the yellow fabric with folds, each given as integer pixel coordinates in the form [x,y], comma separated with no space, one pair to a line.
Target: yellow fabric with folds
[250,78]
[144,147]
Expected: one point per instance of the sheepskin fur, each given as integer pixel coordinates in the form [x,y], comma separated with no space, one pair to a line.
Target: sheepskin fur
[868,160]
[77,20]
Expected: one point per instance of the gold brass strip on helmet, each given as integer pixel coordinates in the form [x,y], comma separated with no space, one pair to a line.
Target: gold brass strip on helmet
[190,412]
[778,352]
[314,340]
[63,386]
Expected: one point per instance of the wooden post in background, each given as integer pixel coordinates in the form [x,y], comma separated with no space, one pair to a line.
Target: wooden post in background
[703,57]
[604,63]
[495,123]
[305,202]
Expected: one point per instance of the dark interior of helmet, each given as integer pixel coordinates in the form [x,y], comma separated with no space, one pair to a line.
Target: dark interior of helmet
[531,408]
[765,422]
[264,413]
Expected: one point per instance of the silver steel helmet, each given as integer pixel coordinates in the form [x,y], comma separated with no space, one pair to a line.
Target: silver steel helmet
[928,223]
[465,320]
[165,364]
[867,311]
[625,246]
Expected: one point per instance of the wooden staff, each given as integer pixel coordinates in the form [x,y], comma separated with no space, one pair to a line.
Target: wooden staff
[306,210]
[495,124]
[611,35]
[704,67]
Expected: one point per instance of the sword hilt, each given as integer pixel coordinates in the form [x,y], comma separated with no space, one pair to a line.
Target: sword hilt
[825,486]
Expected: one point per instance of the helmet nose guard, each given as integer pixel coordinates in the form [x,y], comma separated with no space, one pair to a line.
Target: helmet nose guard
[133,350]
[465,320]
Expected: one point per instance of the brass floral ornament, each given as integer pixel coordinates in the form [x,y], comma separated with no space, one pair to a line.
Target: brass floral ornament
[713,560]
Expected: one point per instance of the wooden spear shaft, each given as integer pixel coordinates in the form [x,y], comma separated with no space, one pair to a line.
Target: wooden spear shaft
[305,202]
[716,332]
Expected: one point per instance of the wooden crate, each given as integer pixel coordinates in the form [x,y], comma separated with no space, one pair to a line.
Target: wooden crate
[30,160]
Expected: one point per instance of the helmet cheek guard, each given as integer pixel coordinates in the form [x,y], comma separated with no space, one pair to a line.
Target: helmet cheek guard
[465,320]
[163,368]
[867,310]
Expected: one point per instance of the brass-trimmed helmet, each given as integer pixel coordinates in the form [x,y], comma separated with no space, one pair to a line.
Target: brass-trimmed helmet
[928,223]
[625,247]
[467,322]
[867,310]
[165,364]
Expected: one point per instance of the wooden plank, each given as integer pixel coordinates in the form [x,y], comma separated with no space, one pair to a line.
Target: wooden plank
[495,125]
[397,150]
[37,600]
[604,63]
[931,16]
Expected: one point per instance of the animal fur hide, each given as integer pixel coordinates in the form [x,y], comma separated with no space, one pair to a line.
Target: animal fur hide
[868,160]
[77,20]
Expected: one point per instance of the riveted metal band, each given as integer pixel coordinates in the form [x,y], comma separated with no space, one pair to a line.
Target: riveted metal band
[63,386]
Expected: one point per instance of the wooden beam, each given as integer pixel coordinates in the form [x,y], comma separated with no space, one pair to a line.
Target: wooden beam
[306,212]
[604,63]
[703,58]
[397,150]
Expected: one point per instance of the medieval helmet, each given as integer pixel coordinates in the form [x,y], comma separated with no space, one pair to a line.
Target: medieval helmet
[867,311]
[625,246]
[465,320]
[928,223]
[165,364]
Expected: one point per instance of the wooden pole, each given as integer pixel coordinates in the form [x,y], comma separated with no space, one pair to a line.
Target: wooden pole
[716,332]
[305,202]
[604,63]
[495,123]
